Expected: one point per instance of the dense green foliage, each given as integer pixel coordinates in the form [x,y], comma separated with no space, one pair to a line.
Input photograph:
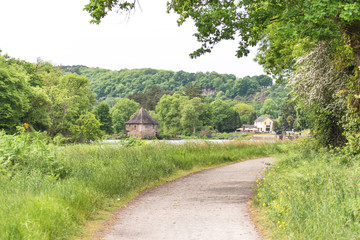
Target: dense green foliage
[49,192]
[311,194]
[122,112]
[41,97]
[108,84]
[225,117]
[14,95]
[102,111]
[149,98]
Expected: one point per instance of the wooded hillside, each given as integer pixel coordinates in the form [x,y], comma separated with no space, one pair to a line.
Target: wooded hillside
[107,83]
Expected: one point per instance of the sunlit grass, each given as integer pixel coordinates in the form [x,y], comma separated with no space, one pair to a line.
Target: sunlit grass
[38,204]
[311,195]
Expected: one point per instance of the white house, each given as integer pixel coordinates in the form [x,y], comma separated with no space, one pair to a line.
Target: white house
[264,124]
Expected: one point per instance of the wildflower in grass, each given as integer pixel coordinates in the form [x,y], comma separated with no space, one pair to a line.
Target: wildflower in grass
[26,125]
[278,222]
[289,187]
[264,204]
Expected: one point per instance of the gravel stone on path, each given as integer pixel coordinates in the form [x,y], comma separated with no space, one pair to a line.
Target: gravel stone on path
[210,204]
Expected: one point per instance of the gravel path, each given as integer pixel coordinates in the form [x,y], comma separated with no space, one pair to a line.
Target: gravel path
[210,204]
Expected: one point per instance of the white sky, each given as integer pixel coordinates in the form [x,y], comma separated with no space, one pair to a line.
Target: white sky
[59,31]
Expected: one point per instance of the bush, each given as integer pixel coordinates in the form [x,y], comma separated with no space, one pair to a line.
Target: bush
[87,128]
[28,152]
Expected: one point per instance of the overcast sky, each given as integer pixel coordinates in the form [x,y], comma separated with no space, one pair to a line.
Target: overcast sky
[59,31]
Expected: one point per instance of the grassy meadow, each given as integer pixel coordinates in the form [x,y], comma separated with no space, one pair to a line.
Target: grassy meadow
[310,194]
[51,192]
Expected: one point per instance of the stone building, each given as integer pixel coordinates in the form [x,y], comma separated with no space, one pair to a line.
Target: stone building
[142,125]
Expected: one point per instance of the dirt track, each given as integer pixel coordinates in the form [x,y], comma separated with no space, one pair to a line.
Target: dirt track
[206,205]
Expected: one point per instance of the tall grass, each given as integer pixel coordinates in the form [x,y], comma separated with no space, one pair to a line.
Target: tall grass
[311,194]
[65,187]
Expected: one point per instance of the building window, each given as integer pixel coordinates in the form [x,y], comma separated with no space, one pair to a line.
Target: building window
[134,127]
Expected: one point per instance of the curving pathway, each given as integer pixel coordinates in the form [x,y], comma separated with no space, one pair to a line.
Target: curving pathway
[210,204]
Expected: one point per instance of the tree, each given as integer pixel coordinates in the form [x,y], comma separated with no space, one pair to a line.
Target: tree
[320,88]
[150,98]
[169,114]
[192,91]
[245,86]
[288,114]
[263,80]
[245,112]
[70,97]
[14,102]
[86,128]
[122,112]
[225,118]
[269,108]
[191,111]
[38,115]
[102,112]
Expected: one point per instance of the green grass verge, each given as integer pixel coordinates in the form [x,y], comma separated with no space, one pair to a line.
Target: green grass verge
[51,193]
[310,194]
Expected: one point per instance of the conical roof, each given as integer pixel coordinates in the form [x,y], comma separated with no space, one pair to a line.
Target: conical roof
[142,117]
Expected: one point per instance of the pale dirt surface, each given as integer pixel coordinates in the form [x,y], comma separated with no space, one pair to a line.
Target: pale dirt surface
[210,204]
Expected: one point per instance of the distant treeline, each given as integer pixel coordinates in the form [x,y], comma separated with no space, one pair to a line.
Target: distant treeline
[107,83]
